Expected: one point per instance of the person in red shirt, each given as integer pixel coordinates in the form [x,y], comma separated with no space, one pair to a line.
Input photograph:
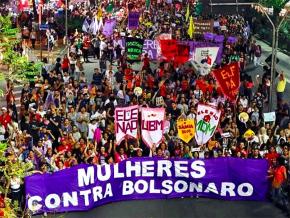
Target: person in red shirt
[162,90]
[146,62]
[184,84]
[272,155]
[200,82]
[150,81]
[5,117]
[279,176]
[138,80]
[86,46]
[65,64]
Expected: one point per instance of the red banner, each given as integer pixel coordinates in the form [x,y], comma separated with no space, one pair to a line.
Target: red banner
[182,55]
[168,48]
[228,78]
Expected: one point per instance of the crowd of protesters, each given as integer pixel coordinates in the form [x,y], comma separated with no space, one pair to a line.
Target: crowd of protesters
[67,118]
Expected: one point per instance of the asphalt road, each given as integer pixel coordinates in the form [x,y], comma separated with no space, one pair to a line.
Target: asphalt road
[180,208]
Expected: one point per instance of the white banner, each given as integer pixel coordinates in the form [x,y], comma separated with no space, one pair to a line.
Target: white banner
[207,120]
[126,122]
[205,58]
[152,125]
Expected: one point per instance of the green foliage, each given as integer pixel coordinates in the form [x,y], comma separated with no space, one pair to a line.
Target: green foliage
[5,23]
[278,5]
[18,66]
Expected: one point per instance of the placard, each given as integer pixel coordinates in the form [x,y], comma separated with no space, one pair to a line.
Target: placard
[203,26]
[270,117]
[134,47]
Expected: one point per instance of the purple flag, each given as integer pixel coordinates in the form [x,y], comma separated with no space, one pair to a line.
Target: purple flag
[219,38]
[133,20]
[208,36]
[108,28]
[84,187]
[232,39]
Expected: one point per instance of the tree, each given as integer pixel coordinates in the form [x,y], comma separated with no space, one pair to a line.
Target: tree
[19,68]
[277,5]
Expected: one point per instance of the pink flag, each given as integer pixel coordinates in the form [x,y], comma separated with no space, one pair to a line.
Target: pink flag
[126,122]
[152,125]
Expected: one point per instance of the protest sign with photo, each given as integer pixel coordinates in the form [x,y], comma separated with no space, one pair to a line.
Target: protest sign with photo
[207,119]
[126,122]
[205,58]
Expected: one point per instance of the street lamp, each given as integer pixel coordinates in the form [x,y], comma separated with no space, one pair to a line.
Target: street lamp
[275,36]
[66,27]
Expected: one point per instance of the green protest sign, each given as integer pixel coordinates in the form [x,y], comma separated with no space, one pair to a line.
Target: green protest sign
[134,47]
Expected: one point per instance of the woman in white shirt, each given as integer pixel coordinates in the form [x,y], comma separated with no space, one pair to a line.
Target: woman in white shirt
[15,186]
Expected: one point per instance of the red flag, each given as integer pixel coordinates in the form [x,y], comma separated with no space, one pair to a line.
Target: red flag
[228,78]
[23,4]
[168,48]
[182,55]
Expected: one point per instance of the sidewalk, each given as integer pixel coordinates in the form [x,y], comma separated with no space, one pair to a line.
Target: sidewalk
[283,65]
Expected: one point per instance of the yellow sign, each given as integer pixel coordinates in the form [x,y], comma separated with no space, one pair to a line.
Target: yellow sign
[244,117]
[249,134]
[186,129]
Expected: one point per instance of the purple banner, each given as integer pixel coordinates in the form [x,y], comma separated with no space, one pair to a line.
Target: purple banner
[133,20]
[109,27]
[84,187]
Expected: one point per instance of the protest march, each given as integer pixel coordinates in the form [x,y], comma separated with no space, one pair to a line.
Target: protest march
[150,100]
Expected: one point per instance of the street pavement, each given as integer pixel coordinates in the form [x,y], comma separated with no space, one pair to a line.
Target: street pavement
[180,208]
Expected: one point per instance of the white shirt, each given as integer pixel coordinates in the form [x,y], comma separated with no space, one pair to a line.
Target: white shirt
[244,102]
[15,183]
[191,116]
[92,128]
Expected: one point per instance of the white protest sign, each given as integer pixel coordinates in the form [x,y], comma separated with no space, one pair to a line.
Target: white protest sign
[159,101]
[207,120]
[205,58]
[126,122]
[269,117]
